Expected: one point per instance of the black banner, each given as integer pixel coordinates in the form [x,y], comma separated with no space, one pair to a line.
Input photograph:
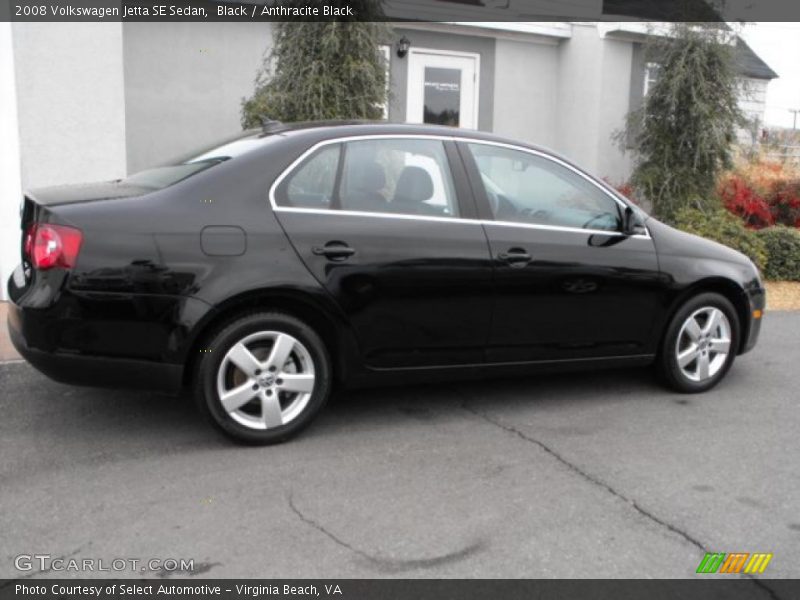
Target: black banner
[400,10]
[396,589]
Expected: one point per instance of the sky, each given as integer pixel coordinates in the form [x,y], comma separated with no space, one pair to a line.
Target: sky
[778,44]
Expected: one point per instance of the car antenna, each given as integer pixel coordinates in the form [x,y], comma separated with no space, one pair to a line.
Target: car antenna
[267,124]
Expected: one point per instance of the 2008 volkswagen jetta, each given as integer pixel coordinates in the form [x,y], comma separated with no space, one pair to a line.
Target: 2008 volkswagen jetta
[272,267]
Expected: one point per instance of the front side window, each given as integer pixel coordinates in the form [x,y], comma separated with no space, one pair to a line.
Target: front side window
[527,188]
[390,176]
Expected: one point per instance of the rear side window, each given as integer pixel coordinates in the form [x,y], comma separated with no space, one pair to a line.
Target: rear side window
[391,176]
[312,184]
[195,162]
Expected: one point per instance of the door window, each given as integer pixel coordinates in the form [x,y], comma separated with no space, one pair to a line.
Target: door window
[401,176]
[443,88]
[527,188]
[394,176]
[442,102]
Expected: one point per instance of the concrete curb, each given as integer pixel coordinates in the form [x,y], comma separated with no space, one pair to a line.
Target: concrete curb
[7,351]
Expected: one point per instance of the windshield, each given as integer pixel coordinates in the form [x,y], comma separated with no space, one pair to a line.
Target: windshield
[195,162]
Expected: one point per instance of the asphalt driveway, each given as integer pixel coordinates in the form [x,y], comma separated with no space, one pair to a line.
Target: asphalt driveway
[591,475]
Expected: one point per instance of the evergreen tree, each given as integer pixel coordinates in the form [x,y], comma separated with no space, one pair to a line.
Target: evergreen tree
[320,70]
[687,126]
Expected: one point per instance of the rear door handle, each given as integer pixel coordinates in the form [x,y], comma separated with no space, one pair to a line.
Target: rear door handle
[334,251]
[515,257]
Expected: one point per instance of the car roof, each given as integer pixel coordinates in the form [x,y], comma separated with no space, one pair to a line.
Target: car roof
[317,131]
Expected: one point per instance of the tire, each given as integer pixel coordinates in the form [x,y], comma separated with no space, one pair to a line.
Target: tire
[263,378]
[715,321]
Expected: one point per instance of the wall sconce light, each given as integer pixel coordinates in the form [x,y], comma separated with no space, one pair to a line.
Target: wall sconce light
[402,47]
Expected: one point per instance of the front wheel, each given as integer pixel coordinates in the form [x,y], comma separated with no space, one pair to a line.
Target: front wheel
[263,378]
[700,344]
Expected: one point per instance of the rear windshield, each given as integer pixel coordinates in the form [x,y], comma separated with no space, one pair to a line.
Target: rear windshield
[195,162]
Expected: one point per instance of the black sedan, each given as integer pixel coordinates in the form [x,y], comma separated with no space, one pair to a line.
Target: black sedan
[269,269]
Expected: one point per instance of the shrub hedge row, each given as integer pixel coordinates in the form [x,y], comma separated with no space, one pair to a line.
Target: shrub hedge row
[725,228]
[775,250]
[783,252]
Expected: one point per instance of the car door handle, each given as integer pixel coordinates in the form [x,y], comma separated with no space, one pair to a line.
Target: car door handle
[516,257]
[334,251]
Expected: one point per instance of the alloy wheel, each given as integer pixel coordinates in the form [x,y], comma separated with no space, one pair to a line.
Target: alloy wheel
[703,344]
[265,380]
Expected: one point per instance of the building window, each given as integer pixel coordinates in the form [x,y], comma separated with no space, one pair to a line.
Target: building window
[652,72]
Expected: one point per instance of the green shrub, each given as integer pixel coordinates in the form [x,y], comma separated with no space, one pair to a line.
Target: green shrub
[318,70]
[685,129]
[723,227]
[783,252]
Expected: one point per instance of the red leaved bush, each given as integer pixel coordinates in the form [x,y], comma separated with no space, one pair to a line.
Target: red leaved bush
[763,194]
[785,203]
[624,188]
[742,200]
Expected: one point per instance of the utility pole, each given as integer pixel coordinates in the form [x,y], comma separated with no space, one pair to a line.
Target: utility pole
[794,111]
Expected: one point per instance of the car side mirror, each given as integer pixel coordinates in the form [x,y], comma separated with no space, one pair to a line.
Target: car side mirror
[631,224]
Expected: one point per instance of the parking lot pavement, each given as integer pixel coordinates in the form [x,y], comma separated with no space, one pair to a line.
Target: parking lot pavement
[591,475]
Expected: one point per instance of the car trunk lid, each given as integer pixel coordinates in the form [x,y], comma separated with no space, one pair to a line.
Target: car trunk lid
[85,192]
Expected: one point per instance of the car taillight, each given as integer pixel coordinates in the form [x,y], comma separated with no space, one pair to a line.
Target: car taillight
[50,246]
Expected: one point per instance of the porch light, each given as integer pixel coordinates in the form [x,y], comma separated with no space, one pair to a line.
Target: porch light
[402,47]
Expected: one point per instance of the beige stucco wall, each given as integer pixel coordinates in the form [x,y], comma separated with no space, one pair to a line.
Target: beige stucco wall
[525,94]
[71,101]
[184,83]
[10,174]
[593,99]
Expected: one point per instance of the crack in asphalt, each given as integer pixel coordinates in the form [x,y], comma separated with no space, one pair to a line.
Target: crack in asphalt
[384,564]
[607,487]
[587,476]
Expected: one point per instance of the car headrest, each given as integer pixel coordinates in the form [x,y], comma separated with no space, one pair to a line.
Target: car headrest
[413,186]
[369,177]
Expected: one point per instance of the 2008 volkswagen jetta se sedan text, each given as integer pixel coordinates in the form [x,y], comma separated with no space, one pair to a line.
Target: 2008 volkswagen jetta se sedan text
[267,270]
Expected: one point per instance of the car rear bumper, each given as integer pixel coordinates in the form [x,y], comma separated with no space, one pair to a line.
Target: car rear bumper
[87,370]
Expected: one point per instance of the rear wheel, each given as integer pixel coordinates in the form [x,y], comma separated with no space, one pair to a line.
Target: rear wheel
[700,344]
[264,378]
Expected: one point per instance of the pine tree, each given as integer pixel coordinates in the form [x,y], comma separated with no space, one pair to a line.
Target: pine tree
[687,125]
[321,70]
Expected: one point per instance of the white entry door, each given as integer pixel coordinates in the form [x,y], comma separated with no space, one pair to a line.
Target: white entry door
[443,88]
